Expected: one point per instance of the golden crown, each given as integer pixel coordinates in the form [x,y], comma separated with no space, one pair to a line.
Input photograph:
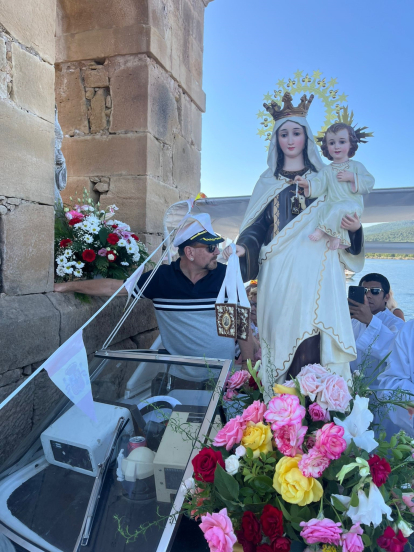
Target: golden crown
[288,109]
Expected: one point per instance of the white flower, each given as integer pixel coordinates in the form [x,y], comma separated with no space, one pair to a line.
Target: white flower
[88,239]
[68,252]
[240,451]
[362,465]
[136,257]
[371,509]
[356,425]
[130,249]
[188,485]
[60,271]
[94,228]
[68,268]
[124,263]
[77,272]
[111,257]
[61,260]
[79,264]
[84,224]
[122,243]
[405,527]
[232,464]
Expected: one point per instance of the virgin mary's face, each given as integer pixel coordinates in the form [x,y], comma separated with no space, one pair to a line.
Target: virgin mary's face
[292,139]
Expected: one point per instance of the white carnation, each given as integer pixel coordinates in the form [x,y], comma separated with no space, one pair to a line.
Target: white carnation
[136,257]
[232,464]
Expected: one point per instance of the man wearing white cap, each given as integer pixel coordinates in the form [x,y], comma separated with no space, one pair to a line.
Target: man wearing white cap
[184,295]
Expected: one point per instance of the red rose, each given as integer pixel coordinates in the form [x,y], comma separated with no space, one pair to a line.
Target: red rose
[74,220]
[252,383]
[205,464]
[247,545]
[111,256]
[391,541]
[281,544]
[89,255]
[112,239]
[251,527]
[272,522]
[114,226]
[65,242]
[380,470]
[136,238]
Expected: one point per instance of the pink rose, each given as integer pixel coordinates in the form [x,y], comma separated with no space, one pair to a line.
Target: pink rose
[231,434]
[229,395]
[335,394]
[254,413]
[218,531]
[284,410]
[73,214]
[352,542]
[289,439]
[313,464]
[321,530]
[238,379]
[316,369]
[310,441]
[408,501]
[102,252]
[330,442]
[318,414]
[310,385]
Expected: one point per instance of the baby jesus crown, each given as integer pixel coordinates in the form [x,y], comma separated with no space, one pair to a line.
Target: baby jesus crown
[288,109]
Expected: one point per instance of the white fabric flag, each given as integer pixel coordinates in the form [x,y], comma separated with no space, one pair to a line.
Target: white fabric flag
[68,369]
[132,281]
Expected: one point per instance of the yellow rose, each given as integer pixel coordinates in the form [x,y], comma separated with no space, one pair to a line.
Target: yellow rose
[293,485]
[258,438]
[284,390]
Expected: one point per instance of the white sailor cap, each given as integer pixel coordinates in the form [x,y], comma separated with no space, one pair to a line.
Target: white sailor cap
[198,229]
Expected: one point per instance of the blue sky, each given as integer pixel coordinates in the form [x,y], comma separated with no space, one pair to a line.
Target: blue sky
[250,44]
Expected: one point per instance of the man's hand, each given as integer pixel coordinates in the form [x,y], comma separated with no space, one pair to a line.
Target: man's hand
[240,251]
[351,223]
[346,176]
[360,311]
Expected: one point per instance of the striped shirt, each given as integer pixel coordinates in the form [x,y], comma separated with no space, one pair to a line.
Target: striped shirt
[186,315]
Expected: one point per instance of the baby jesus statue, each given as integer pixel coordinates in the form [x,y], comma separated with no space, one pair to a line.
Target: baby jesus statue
[343,181]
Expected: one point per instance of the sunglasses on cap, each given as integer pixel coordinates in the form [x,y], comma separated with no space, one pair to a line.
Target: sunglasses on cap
[211,247]
[374,291]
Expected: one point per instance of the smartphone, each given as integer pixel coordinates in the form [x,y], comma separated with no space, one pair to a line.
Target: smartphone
[356,293]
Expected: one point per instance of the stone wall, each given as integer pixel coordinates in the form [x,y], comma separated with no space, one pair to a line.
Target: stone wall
[130,100]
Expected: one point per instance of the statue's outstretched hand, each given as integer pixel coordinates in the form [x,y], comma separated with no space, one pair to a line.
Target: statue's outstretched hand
[303,183]
[351,223]
[240,251]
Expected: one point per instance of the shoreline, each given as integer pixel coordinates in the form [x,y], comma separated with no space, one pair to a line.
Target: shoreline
[390,257]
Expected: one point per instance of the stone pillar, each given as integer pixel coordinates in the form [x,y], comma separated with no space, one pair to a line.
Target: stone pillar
[27,100]
[130,99]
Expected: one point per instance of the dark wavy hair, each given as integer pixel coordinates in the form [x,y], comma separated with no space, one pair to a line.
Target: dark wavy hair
[281,156]
[336,127]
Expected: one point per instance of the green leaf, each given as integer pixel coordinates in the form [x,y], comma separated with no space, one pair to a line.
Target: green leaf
[396,453]
[230,504]
[262,484]
[366,540]
[354,500]
[393,441]
[284,511]
[226,484]
[101,262]
[103,234]
[338,504]
[249,452]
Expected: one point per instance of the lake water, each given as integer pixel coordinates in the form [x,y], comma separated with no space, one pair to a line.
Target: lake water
[401,277]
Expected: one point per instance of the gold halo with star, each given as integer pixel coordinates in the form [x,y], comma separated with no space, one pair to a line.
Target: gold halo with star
[332,100]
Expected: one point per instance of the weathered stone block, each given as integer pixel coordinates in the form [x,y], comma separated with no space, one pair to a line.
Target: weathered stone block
[96,76]
[142,201]
[32,24]
[74,315]
[146,339]
[97,115]
[186,165]
[45,397]
[190,121]
[27,143]
[127,154]
[3,72]
[11,376]
[33,83]
[26,242]
[29,330]
[74,189]
[70,99]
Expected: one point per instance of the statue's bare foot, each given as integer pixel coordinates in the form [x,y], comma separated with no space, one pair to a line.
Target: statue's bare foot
[343,246]
[333,243]
[317,235]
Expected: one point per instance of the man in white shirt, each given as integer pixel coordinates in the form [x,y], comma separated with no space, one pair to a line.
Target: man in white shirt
[375,327]
[400,375]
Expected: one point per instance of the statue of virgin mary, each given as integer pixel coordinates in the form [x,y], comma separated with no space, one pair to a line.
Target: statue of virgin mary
[302,309]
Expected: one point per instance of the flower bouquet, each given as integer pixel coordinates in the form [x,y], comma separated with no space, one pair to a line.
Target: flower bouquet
[89,242]
[303,471]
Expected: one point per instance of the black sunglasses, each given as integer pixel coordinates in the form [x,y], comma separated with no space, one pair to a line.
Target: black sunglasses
[374,291]
[210,247]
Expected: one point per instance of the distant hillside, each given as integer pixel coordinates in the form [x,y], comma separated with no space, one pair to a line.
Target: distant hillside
[402,231]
